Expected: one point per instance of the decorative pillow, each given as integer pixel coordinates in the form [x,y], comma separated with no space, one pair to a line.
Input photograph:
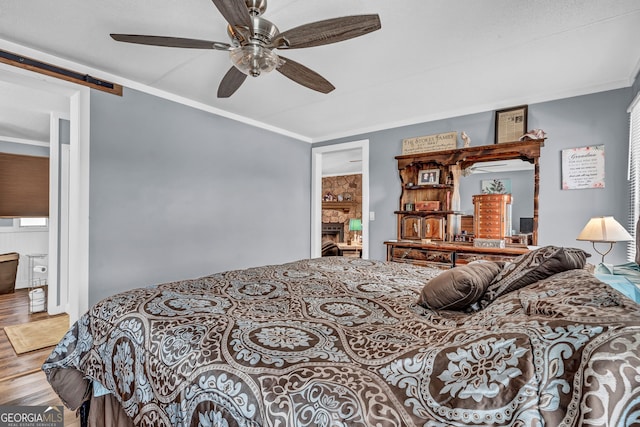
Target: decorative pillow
[557,304]
[533,266]
[458,287]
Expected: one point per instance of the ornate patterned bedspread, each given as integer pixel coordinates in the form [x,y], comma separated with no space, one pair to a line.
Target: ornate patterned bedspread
[342,342]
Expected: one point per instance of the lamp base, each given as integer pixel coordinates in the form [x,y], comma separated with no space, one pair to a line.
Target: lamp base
[605,253]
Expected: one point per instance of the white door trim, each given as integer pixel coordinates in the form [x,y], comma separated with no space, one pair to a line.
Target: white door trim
[55,304]
[316,193]
[79,204]
[69,210]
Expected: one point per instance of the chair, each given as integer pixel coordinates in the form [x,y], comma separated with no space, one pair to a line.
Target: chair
[329,248]
[8,272]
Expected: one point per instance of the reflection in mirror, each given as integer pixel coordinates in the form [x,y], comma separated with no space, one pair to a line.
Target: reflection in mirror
[505,176]
[499,166]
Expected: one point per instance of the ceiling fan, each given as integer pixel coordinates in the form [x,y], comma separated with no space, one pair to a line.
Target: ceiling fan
[254,39]
[486,168]
[498,166]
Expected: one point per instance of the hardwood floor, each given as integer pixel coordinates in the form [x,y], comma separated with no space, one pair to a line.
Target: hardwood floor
[22,382]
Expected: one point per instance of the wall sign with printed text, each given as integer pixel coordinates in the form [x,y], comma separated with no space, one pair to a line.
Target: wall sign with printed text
[428,143]
[583,167]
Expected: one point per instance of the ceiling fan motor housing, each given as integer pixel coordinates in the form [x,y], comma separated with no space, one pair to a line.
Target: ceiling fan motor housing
[263,32]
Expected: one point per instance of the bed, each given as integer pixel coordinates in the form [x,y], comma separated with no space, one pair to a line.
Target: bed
[339,341]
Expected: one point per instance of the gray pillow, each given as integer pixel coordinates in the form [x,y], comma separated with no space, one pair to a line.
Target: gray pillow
[459,287]
[533,266]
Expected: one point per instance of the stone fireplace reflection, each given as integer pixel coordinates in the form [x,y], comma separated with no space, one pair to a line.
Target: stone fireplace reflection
[333,231]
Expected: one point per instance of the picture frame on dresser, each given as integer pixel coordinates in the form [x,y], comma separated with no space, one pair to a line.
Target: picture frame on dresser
[510,124]
[429,177]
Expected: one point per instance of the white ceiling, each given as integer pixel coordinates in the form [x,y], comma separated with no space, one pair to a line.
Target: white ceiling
[26,103]
[431,59]
[343,162]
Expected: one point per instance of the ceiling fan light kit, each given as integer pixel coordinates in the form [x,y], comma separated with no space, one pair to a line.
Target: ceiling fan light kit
[253,60]
[254,38]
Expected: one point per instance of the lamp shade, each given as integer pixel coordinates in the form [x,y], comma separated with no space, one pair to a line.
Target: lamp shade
[604,229]
[355,224]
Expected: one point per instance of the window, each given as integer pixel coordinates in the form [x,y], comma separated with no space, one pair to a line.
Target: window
[33,222]
[24,185]
[18,225]
[634,174]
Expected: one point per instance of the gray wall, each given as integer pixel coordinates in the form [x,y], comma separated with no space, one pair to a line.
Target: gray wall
[177,193]
[599,118]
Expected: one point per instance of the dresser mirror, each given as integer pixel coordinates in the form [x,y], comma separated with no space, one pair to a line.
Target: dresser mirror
[508,168]
[514,176]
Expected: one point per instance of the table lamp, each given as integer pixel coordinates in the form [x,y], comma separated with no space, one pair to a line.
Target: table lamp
[604,229]
[355,224]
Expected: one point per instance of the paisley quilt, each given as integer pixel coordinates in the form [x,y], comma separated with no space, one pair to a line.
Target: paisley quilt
[342,342]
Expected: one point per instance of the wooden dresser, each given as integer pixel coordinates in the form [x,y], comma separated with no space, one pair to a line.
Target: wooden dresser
[429,223]
[447,255]
[492,216]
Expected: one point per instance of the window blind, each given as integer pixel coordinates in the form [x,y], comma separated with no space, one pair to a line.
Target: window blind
[634,175]
[24,186]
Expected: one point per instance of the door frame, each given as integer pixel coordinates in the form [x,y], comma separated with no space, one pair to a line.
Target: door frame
[58,198]
[74,258]
[69,232]
[316,193]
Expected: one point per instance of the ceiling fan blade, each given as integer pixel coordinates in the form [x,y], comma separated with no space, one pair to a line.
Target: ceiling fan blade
[170,41]
[235,12]
[304,76]
[231,82]
[327,31]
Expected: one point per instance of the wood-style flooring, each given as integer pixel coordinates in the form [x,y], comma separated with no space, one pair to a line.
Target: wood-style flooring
[22,382]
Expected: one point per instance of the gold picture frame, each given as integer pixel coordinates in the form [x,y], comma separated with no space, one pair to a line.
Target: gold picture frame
[511,124]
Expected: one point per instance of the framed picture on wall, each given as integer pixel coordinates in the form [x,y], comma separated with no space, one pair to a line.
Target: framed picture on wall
[511,124]
[429,177]
[583,167]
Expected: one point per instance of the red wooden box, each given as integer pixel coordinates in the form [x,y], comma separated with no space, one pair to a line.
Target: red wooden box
[428,205]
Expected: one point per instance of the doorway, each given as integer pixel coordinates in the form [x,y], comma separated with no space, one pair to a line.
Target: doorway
[354,153]
[60,102]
